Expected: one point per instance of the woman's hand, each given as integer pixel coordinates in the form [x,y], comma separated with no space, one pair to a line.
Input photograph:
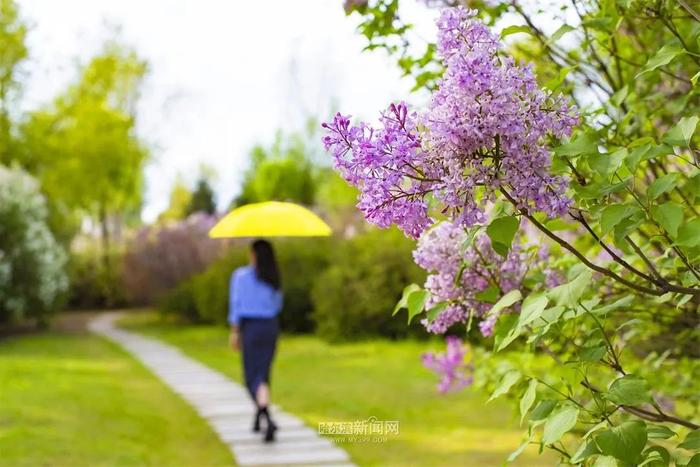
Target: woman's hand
[233,339]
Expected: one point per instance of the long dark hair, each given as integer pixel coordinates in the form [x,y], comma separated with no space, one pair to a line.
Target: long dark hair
[265,263]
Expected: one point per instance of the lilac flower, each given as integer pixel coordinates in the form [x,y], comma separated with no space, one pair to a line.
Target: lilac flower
[487,325]
[384,163]
[485,131]
[459,274]
[450,365]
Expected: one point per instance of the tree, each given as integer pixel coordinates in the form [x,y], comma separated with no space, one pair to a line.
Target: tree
[203,199]
[13,33]
[283,172]
[180,199]
[570,231]
[32,276]
[84,148]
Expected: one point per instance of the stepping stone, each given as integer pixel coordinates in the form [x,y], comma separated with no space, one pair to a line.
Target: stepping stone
[270,455]
[226,405]
[245,435]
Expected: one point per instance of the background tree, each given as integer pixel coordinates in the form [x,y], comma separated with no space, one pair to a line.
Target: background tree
[283,171]
[180,198]
[13,32]
[203,199]
[84,148]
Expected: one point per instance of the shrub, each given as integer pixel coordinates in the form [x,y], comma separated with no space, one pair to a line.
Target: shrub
[355,296]
[32,276]
[300,261]
[94,284]
[180,302]
[160,257]
[211,288]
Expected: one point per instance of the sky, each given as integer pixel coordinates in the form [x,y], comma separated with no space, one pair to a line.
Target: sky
[224,75]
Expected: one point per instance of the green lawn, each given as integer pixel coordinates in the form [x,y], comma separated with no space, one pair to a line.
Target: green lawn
[322,382]
[77,400]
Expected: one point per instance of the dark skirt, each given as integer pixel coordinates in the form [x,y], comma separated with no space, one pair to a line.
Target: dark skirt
[259,339]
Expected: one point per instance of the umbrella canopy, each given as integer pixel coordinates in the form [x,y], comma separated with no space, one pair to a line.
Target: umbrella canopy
[270,219]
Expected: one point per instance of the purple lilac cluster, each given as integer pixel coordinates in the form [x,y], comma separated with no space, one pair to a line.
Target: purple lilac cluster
[385,163]
[457,274]
[485,130]
[488,122]
[450,366]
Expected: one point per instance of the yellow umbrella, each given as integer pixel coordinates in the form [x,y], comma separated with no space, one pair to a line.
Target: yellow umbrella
[270,219]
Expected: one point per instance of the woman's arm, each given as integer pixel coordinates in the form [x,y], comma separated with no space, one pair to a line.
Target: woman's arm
[234,306]
[234,338]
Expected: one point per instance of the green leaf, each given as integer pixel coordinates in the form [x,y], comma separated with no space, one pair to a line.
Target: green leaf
[619,97]
[660,432]
[559,33]
[432,313]
[543,409]
[505,301]
[569,294]
[689,234]
[693,461]
[555,82]
[629,390]
[416,303]
[620,303]
[694,79]
[663,57]
[403,302]
[559,423]
[692,441]
[583,144]
[505,331]
[606,164]
[514,30]
[501,231]
[624,442]
[507,382]
[605,461]
[628,225]
[682,132]
[592,354]
[488,295]
[528,399]
[612,215]
[514,455]
[656,456]
[532,308]
[692,187]
[669,215]
[586,450]
[635,156]
[662,185]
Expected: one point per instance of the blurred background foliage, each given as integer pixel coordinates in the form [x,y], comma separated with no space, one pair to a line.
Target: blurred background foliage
[71,230]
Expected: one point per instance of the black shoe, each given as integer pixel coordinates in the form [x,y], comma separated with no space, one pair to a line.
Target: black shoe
[271,427]
[270,432]
[256,421]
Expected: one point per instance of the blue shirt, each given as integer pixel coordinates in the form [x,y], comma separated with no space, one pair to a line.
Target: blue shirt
[249,297]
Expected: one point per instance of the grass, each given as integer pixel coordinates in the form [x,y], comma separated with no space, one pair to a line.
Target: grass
[346,382]
[69,399]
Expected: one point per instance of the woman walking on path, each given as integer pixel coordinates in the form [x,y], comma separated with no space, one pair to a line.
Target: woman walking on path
[255,301]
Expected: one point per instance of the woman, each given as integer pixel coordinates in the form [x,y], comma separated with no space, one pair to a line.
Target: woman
[255,301]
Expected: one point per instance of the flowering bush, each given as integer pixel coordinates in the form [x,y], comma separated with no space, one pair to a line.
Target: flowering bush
[574,236]
[483,132]
[32,276]
[161,256]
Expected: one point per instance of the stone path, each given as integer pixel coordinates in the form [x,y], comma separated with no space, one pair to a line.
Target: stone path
[225,404]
